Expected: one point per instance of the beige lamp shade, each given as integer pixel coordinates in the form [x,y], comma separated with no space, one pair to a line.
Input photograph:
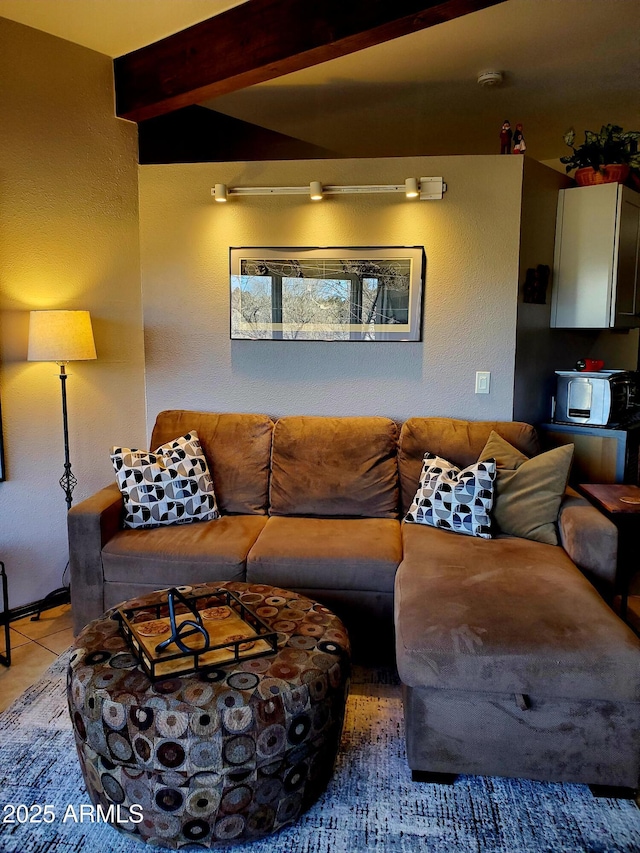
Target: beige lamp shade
[60,336]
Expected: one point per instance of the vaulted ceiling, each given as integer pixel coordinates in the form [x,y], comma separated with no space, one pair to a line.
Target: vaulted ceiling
[565,62]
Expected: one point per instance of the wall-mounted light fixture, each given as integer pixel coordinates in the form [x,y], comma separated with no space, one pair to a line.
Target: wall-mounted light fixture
[315,191]
[219,192]
[422,188]
[411,188]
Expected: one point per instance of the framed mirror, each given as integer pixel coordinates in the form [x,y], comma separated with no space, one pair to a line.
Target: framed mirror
[328,294]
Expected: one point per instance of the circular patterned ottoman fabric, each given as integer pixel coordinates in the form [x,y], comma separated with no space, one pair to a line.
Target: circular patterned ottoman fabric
[222,755]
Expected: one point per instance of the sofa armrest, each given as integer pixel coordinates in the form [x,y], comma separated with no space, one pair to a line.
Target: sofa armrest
[588,537]
[91,524]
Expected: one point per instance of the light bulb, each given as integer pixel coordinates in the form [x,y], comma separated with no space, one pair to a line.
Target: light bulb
[411,188]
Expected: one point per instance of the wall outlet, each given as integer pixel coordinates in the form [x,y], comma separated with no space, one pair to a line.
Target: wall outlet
[483,381]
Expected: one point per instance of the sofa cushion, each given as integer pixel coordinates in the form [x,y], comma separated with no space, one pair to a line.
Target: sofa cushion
[453,499]
[461,442]
[334,467]
[329,553]
[194,553]
[528,491]
[171,485]
[237,448]
[507,615]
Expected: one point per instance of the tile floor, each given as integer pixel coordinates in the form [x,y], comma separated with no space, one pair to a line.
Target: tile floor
[34,647]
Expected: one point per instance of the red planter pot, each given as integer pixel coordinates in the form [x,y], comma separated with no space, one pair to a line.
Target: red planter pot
[617,173]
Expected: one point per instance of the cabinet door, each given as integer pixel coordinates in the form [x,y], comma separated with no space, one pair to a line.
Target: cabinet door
[584,257]
[597,252]
[627,299]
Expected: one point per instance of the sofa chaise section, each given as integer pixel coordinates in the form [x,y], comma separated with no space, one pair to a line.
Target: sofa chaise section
[511,662]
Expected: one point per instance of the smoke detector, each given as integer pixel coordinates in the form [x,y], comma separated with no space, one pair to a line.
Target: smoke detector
[489,79]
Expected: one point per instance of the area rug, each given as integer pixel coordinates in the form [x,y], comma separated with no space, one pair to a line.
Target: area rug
[371,804]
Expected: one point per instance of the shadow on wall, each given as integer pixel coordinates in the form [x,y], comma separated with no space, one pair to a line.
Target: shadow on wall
[293,361]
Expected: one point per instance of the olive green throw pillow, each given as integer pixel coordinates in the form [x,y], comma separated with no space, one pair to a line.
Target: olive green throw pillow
[528,492]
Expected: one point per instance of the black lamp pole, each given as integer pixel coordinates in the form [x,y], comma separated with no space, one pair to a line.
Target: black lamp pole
[68,482]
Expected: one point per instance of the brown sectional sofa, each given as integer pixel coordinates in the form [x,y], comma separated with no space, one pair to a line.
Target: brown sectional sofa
[511,661]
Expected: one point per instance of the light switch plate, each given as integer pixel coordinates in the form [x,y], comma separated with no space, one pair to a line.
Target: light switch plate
[483,381]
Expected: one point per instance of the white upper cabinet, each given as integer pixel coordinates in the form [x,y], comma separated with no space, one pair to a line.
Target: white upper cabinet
[595,281]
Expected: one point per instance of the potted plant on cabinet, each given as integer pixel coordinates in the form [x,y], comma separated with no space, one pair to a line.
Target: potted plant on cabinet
[603,158]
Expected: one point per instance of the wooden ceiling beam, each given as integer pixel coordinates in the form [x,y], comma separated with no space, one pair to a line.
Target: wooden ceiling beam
[263,39]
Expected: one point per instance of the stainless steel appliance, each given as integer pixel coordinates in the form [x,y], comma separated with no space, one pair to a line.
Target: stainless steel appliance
[602,398]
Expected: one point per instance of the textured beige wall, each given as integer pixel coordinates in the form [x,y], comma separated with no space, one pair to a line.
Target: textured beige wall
[68,239]
[471,239]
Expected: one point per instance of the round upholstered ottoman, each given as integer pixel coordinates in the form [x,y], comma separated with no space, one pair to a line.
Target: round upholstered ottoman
[221,755]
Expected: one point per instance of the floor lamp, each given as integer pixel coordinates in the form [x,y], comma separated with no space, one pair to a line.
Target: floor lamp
[61,336]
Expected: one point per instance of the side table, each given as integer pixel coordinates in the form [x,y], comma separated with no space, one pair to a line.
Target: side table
[621,504]
[5,659]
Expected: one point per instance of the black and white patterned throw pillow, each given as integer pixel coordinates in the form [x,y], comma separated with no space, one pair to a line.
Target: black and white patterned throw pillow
[172,485]
[453,499]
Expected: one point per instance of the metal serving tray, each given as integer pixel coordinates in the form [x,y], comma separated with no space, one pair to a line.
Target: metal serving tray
[191,641]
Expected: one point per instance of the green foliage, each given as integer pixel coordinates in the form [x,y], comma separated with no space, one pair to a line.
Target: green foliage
[611,145]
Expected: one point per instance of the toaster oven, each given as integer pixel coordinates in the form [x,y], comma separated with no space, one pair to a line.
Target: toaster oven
[602,398]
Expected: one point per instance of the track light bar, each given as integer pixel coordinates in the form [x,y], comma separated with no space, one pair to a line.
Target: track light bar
[423,188]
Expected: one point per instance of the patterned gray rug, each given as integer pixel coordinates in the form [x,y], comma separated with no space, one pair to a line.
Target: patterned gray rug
[372,804]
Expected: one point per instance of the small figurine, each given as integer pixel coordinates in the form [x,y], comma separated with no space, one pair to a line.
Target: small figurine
[519,145]
[506,135]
